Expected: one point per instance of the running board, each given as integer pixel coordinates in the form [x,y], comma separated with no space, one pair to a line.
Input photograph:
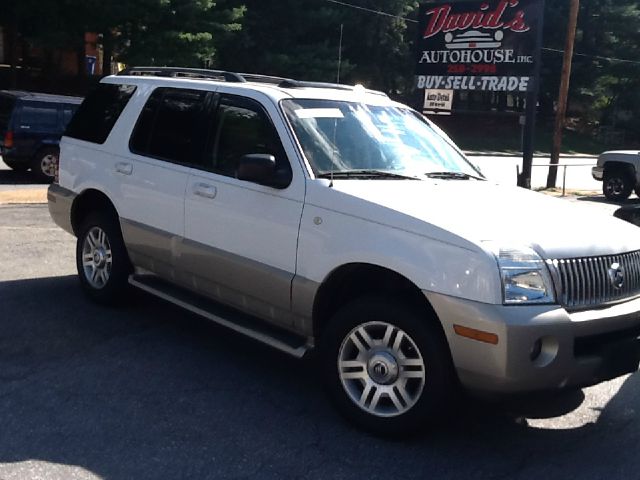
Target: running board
[284,341]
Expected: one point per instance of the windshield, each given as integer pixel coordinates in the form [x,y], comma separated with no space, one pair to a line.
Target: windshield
[339,136]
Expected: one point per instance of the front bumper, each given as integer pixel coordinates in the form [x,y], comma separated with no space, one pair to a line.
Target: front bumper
[60,202]
[597,173]
[578,349]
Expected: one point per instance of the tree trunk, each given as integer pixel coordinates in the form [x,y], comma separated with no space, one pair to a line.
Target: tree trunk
[81,53]
[12,37]
[107,52]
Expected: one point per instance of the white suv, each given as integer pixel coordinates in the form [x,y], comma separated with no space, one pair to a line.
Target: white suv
[316,215]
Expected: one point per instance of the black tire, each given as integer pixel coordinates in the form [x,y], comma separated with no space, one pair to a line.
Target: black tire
[115,289]
[430,402]
[617,184]
[45,163]
[16,166]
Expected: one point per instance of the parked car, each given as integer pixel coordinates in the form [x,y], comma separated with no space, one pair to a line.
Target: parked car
[619,172]
[31,125]
[329,217]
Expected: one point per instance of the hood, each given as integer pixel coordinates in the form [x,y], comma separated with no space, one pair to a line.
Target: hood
[479,211]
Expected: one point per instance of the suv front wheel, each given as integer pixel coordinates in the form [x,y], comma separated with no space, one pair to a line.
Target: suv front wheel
[102,260]
[386,366]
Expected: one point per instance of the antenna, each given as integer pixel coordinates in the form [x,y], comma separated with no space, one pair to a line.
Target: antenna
[335,122]
[340,53]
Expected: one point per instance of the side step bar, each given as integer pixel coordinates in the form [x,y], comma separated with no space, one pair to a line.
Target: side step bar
[279,339]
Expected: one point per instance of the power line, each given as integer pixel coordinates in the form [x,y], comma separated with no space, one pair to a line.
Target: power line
[377,12]
[390,15]
[611,59]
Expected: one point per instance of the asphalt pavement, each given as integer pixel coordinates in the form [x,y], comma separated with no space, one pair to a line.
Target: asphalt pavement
[149,391]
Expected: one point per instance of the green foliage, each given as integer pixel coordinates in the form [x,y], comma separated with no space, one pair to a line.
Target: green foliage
[156,32]
[603,91]
[301,38]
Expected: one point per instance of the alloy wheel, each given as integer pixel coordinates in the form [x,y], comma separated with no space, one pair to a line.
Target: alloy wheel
[381,369]
[97,257]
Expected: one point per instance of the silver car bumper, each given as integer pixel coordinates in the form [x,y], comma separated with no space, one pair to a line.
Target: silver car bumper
[576,349]
[60,201]
[597,173]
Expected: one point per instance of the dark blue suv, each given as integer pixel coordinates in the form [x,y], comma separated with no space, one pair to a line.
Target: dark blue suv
[31,125]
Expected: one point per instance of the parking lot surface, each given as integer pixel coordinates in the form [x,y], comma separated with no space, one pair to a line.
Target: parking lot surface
[151,392]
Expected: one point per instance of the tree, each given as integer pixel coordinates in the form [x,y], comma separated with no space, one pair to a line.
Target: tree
[290,38]
[175,32]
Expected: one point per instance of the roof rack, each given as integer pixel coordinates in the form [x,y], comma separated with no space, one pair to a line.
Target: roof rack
[221,75]
[179,72]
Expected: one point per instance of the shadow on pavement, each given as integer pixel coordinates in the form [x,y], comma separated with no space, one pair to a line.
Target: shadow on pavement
[602,199]
[149,391]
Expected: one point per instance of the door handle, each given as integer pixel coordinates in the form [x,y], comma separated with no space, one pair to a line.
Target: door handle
[124,168]
[204,190]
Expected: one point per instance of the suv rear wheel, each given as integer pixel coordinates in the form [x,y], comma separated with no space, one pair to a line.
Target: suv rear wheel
[386,367]
[45,163]
[102,260]
[617,184]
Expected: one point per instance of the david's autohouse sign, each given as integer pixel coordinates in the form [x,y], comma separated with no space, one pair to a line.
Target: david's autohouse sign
[479,45]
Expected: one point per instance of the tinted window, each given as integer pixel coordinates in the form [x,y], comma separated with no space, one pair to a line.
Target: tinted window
[172,126]
[39,117]
[67,114]
[243,127]
[6,108]
[99,112]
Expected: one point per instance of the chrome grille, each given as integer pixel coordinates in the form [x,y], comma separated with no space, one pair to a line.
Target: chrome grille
[585,282]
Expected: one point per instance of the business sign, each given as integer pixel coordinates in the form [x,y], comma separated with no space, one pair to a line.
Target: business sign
[488,45]
[435,100]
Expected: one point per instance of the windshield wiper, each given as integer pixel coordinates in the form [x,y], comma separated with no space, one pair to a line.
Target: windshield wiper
[366,174]
[452,176]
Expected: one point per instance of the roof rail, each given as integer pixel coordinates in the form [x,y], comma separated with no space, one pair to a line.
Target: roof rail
[335,86]
[179,72]
[254,77]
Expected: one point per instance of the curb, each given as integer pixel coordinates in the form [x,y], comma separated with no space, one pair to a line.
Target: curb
[24,196]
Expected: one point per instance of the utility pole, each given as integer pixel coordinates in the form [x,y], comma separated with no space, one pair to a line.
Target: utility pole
[564,92]
[531,107]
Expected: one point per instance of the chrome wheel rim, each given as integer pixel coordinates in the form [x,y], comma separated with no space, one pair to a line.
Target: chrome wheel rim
[381,369]
[48,165]
[97,258]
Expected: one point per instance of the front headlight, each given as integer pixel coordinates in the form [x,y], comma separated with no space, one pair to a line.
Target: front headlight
[525,277]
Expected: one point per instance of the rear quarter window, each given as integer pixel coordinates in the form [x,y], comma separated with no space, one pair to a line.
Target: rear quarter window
[39,117]
[99,112]
[6,109]
[67,114]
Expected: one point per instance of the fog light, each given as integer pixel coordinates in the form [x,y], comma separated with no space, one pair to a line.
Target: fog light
[544,351]
[536,350]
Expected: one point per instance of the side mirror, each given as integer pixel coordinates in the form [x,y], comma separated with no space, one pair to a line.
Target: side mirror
[261,168]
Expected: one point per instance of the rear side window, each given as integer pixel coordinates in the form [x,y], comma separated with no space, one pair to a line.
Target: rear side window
[99,112]
[67,114]
[39,117]
[6,108]
[172,126]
